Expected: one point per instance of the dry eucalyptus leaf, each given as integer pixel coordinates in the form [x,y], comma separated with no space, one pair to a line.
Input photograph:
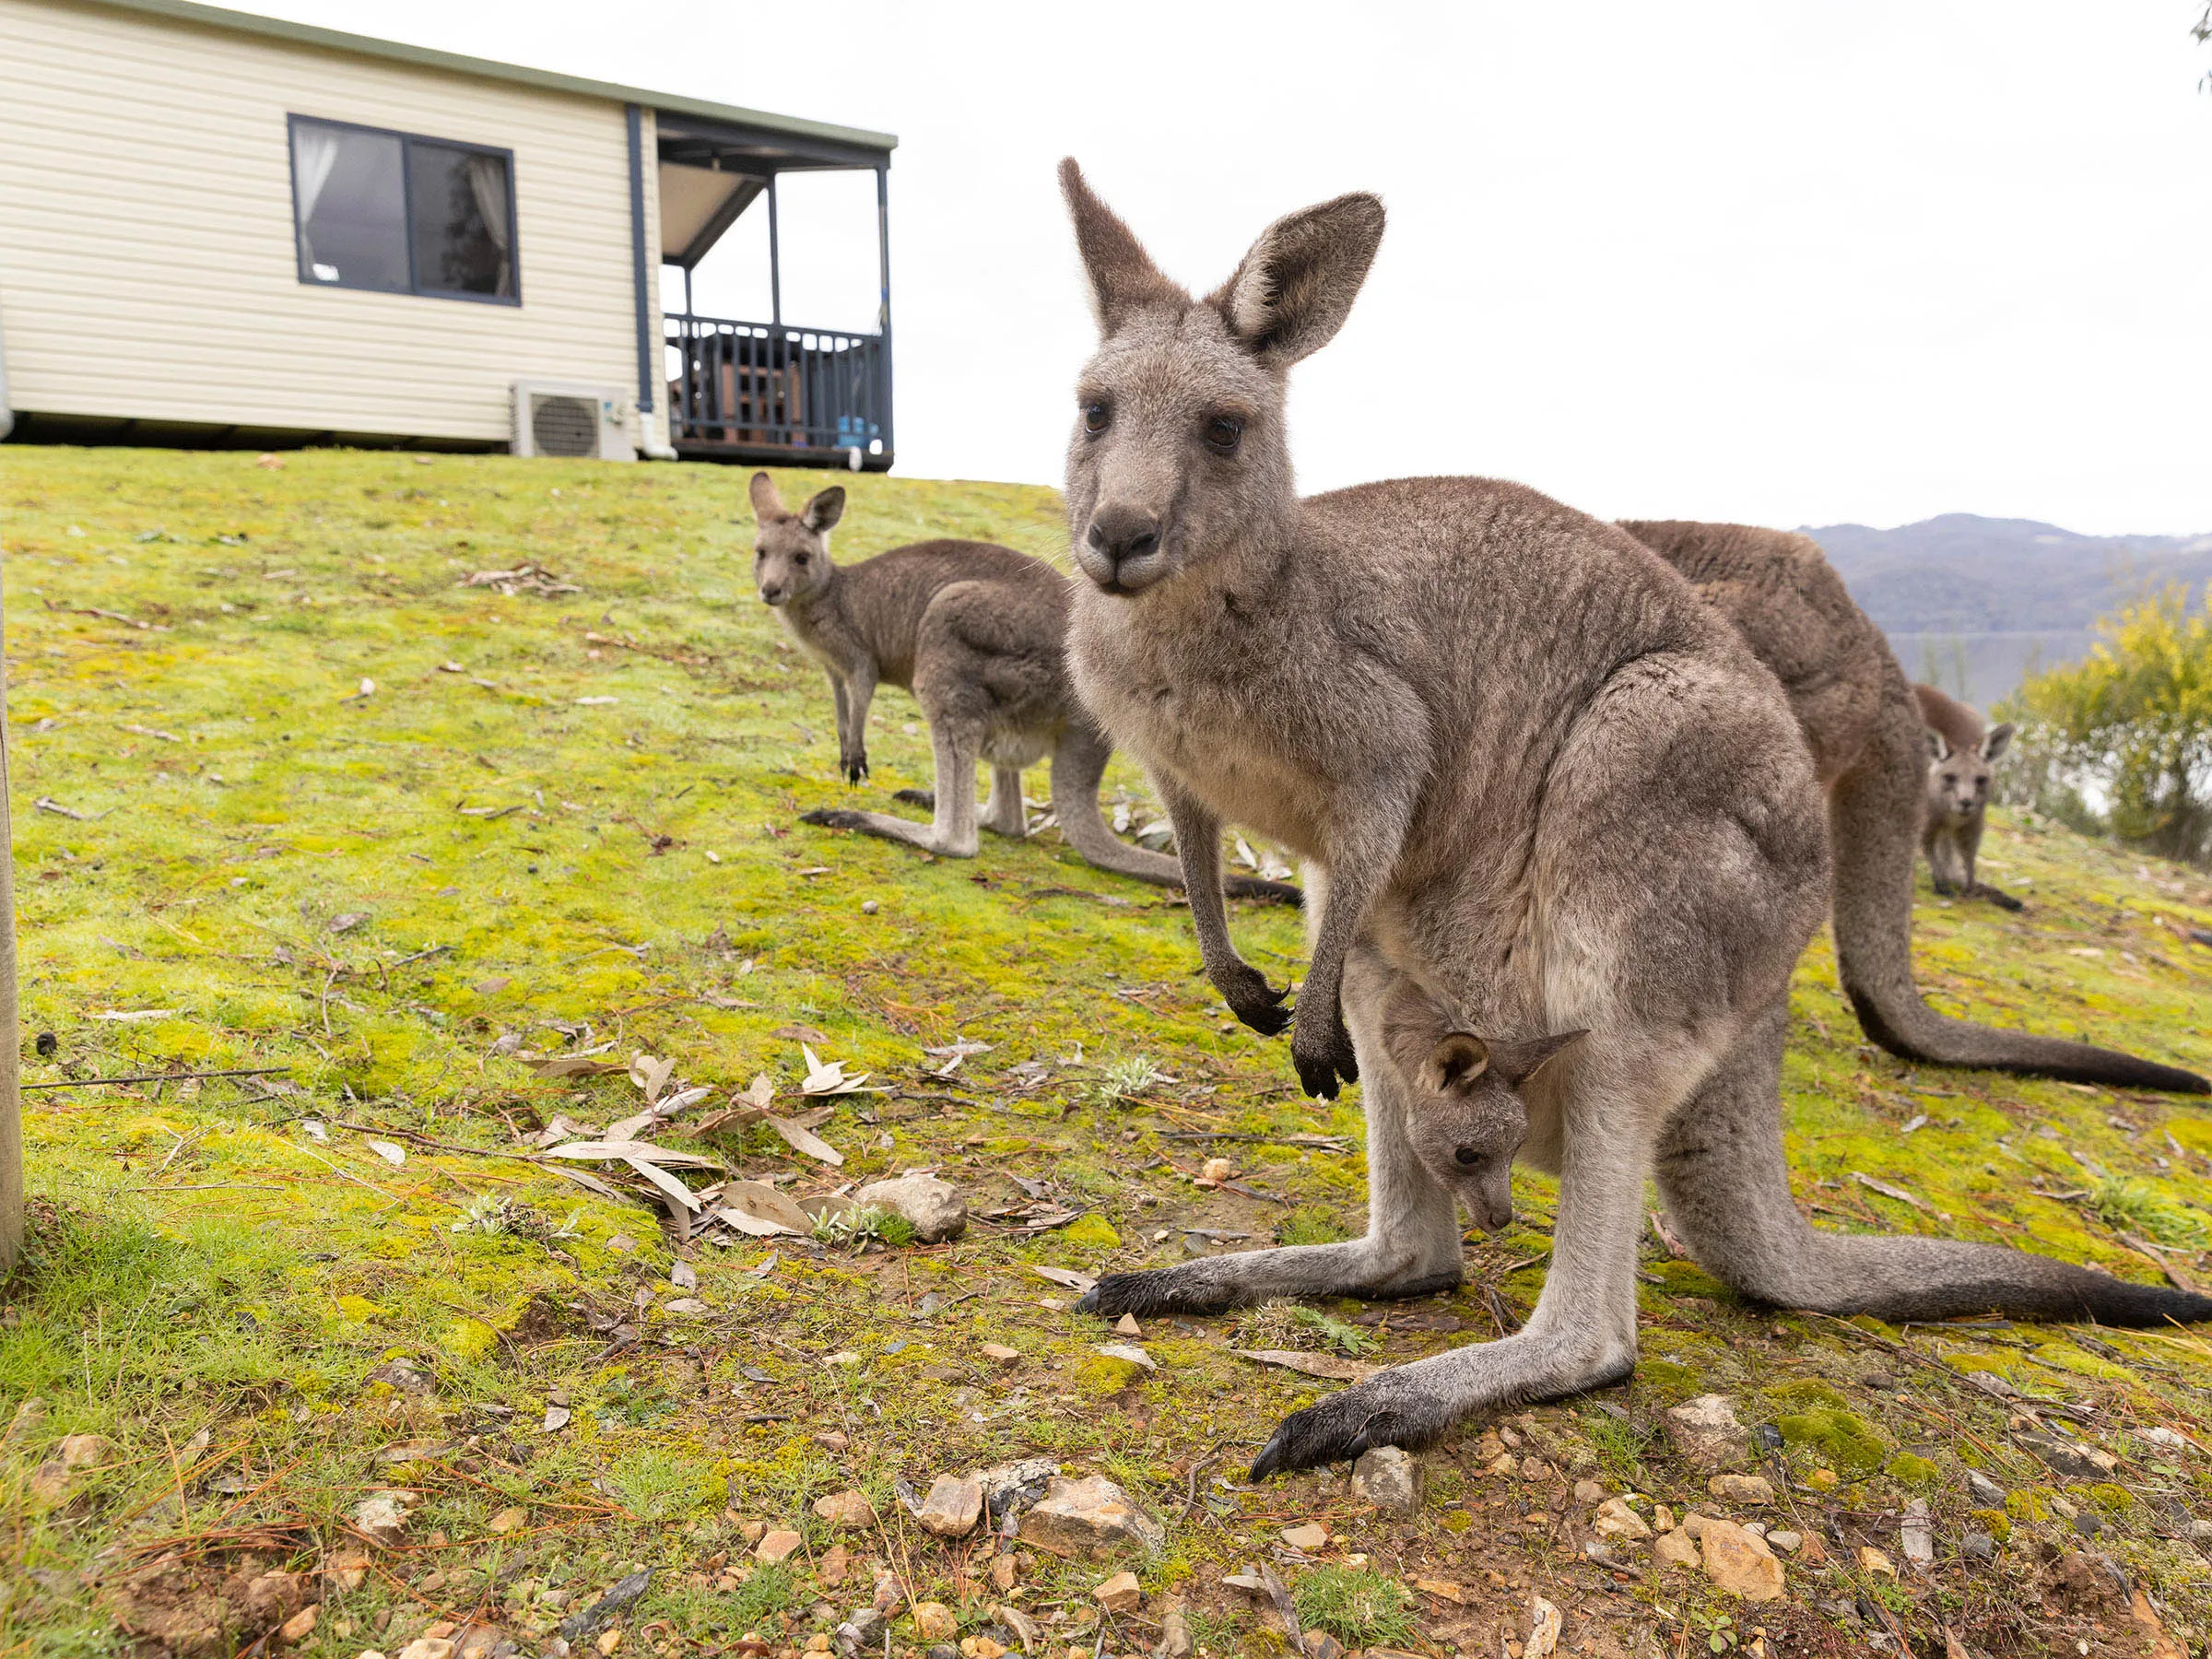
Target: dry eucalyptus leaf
[556,1416]
[754,1208]
[391,1154]
[1065,1276]
[800,1033]
[830,1078]
[1312,1365]
[570,1066]
[806,1141]
[666,1182]
[645,1151]
[650,1074]
[683,1275]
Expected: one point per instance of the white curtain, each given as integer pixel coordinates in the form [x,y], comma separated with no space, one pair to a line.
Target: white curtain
[314,153]
[488,182]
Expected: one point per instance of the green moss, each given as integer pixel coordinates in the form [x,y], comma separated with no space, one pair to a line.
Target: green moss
[1806,1391]
[2028,1503]
[1994,1522]
[1918,1473]
[1312,1224]
[1837,1437]
[2112,1500]
[1092,1232]
[1103,1374]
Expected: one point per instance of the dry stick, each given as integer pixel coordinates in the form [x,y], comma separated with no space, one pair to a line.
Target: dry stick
[252,1071]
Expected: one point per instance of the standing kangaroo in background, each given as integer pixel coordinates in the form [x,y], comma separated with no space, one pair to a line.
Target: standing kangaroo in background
[1859,718]
[1962,761]
[975,631]
[1543,781]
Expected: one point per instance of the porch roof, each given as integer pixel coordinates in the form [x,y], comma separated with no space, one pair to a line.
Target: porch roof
[823,140]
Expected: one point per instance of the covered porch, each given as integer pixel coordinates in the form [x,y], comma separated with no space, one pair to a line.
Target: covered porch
[767,390]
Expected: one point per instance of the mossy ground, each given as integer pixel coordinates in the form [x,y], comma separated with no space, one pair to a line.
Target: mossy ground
[214,819]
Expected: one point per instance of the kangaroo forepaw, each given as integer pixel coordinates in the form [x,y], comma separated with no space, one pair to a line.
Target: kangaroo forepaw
[1376,1413]
[925,798]
[1253,1001]
[1160,1291]
[1323,1054]
[835,817]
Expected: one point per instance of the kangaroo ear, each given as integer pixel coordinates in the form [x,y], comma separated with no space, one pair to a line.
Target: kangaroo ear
[1458,1058]
[1122,274]
[1938,749]
[1518,1062]
[767,503]
[824,509]
[1998,742]
[1295,287]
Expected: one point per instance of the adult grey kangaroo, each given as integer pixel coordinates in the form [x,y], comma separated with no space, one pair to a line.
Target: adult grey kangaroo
[1542,780]
[975,631]
[1964,751]
[1863,724]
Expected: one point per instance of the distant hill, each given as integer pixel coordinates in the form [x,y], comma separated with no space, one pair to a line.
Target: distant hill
[1974,603]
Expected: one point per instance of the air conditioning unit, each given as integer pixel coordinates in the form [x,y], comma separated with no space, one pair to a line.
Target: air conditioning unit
[577,422]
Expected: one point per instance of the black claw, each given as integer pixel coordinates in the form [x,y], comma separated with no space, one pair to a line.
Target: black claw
[1088,1302]
[1269,1461]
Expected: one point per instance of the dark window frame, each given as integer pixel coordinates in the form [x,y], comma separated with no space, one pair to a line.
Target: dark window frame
[414,289]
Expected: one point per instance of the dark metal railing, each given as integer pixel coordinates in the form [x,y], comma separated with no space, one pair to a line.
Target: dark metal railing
[748,388]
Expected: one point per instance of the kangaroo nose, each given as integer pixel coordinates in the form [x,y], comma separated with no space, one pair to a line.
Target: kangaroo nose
[1124,533]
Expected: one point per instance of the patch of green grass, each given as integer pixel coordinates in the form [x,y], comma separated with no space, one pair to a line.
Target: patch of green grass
[1310,1224]
[766,1594]
[2136,1206]
[865,1224]
[1128,1078]
[1358,1606]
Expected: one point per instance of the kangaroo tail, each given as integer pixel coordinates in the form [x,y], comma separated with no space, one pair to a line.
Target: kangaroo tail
[1874,812]
[1720,1169]
[1077,766]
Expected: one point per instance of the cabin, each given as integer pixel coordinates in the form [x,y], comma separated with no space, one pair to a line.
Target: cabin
[217,228]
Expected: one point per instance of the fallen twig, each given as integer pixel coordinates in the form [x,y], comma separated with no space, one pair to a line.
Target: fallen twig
[250,1071]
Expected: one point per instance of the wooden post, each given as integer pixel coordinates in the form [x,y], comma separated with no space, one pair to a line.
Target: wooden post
[11,1045]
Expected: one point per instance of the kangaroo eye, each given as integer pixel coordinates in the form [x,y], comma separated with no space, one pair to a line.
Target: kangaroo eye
[1096,417]
[1468,1158]
[1223,433]
[799,559]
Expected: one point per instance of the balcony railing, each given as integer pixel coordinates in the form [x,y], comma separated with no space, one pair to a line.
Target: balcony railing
[766,390]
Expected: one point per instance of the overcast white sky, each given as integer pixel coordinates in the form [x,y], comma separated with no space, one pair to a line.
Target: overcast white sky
[1779,262]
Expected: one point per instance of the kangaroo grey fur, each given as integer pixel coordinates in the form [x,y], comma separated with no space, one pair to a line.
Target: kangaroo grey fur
[1860,718]
[1962,759]
[975,631]
[1462,1094]
[1540,779]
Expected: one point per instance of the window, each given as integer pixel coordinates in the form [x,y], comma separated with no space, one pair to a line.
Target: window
[403,215]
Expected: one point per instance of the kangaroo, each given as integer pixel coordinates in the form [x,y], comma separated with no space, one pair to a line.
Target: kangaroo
[1962,756]
[974,631]
[1463,1098]
[1534,772]
[1859,718]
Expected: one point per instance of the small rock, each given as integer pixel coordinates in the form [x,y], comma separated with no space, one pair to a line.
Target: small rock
[298,1625]
[1979,1545]
[2200,1532]
[1787,1542]
[832,1566]
[1740,1562]
[382,1517]
[1015,1485]
[508,1519]
[2087,1526]
[1320,1644]
[428,1647]
[609,1642]
[934,1208]
[1757,1529]
[1663,1518]
[1916,1535]
[1675,1548]
[982,1647]
[776,1546]
[1693,1524]
[1090,1519]
[2065,1457]
[1000,1354]
[1589,1491]
[1119,1593]
[1617,1520]
[1873,1562]
[862,1631]
[750,1531]
[345,1568]
[1174,1636]
[1705,1433]
[1741,1489]
[954,1505]
[1822,1480]
[1983,1490]
[1127,1326]
[1309,1537]
[889,1597]
[846,1508]
[82,1451]
[1390,1479]
[835,1440]
[1216,1170]
[933,1621]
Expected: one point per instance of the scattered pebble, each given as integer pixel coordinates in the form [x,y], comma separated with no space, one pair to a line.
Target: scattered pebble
[1873,1562]
[1617,1520]
[1589,1491]
[1390,1479]
[934,1208]
[1983,1490]
[1119,1593]
[954,1505]
[1741,1489]
[1740,1562]
[846,1508]
[1705,1432]
[1089,1520]
[1979,1545]
[1787,1542]
[1000,1353]
[933,1621]
[1309,1537]
[776,1546]
[1675,1548]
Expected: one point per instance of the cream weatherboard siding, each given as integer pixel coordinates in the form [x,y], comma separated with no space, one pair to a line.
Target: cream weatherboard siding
[146,252]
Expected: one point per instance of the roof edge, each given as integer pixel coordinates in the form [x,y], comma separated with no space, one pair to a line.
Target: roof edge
[429,57]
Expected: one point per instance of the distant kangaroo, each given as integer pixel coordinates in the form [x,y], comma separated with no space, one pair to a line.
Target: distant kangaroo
[1858,711]
[1544,782]
[975,631]
[1958,798]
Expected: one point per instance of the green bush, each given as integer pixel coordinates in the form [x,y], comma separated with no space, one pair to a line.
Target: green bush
[2135,716]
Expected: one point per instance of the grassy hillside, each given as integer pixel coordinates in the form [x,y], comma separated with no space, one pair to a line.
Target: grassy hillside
[290,791]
